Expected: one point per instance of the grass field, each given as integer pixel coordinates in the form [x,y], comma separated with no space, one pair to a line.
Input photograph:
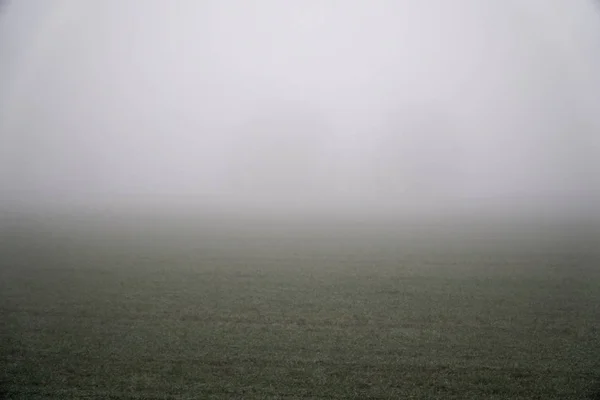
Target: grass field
[245,310]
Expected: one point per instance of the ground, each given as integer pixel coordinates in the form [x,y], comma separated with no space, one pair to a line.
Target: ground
[251,311]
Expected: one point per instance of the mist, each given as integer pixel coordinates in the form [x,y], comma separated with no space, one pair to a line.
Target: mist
[388,107]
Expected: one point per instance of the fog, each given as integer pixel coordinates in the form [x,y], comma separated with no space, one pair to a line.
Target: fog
[388,106]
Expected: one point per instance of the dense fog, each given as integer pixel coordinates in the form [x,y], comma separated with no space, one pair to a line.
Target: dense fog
[390,105]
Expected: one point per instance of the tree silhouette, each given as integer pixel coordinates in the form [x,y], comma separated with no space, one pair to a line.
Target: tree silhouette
[418,155]
[280,155]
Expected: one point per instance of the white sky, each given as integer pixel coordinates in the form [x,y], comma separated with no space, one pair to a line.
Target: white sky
[354,103]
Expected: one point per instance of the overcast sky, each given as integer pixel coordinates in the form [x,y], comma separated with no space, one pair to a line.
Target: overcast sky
[290,104]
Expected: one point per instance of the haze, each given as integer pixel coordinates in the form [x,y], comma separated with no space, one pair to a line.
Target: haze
[363,106]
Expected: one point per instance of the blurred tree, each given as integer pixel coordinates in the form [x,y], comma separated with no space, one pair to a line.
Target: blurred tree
[418,155]
[280,155]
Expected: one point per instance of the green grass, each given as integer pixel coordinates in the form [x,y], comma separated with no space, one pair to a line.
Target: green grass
[311,313]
